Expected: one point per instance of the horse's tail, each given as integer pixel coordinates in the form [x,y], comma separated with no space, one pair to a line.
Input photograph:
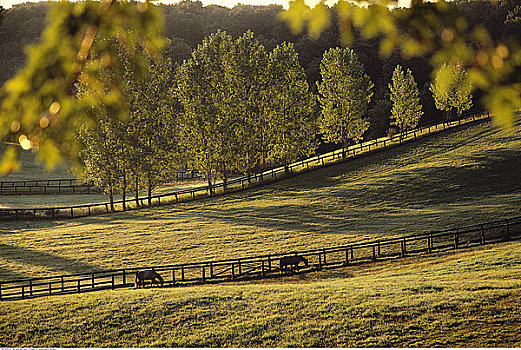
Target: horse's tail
[304,260]
[137,280]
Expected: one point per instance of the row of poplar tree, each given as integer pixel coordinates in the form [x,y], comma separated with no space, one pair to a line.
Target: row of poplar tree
[233,107]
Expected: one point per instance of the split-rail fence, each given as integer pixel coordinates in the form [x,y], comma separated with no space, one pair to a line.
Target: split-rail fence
[240,183]
[265,266]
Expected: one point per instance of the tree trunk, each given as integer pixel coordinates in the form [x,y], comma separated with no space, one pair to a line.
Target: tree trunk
[225,177]
[344,142]
[124,192]
[111,198]
[209,176]
[137,191]
[149,189]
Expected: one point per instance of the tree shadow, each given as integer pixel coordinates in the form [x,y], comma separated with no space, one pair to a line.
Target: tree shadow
[37,258]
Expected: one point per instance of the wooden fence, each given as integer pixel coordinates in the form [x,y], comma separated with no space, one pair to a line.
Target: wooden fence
[52,186]
[241,183]
[70,186]
[265,266]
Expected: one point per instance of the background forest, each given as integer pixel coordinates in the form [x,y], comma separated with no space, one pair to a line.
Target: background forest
[188,22]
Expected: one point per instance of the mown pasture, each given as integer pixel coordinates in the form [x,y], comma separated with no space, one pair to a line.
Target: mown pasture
[457,178]
[462,299]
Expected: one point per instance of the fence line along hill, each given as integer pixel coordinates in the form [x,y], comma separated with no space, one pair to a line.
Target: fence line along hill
[264,266]
[241,183]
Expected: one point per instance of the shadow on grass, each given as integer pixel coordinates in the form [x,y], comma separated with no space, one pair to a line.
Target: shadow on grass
[37,258]
[378,203]
[8,274]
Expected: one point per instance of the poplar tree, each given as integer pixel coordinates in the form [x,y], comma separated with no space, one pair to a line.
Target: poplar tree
[154,111]
[102,155]
[208,132]
[247,79]
[344,95]
[452,90]
[291,107]
[407,109]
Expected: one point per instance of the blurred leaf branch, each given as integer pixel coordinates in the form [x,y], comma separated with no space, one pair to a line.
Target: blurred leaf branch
[39,108]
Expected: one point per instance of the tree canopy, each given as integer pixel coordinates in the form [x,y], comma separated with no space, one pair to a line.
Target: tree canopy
[407,110]
[344,95]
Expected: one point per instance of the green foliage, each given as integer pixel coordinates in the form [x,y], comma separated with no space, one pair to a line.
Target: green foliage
[153,125]
[144,143]
[442,31]
[40,102]
[344,95]
[452,89]
[291,107]
[406,110]
[208,132]
[248,82]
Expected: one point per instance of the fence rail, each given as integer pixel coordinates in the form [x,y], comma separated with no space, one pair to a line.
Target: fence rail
[51,186]
[241,183]
[265,266]
[71,186]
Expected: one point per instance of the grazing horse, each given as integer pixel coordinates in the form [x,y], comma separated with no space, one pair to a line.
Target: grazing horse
[290,263]
[148,275]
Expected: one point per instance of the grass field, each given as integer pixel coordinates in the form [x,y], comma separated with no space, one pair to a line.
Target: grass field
[457,178]
[463,299]
[466,298]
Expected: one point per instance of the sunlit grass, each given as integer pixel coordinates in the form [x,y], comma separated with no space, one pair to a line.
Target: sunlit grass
[468,298]
[453,179]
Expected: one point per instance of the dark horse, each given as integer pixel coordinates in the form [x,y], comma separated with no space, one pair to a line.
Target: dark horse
[290,263]
[148,275]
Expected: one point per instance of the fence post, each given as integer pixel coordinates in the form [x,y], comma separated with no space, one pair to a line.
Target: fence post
[429,243]
[347,256]
[374,253]
[240,270]
[204,275]
[79,287]
[92,280]
[482,234]
[325,262]
[211,270]
[263,273]
[173,277]
[50,288]
[31,287]
[456,239]
[182,273]
[63,285]
[352,253]
[233,271]
[23,292]
[112,280]
[319,261]
[379,249]
[404,248]
[269,263]
[508,231]
[0,291]
[124,278]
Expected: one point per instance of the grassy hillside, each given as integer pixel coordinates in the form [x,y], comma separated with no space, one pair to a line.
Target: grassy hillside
[457,178]
[465,299]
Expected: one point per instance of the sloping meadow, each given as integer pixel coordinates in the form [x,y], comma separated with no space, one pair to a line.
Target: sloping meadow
[467,298]
[457,178]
